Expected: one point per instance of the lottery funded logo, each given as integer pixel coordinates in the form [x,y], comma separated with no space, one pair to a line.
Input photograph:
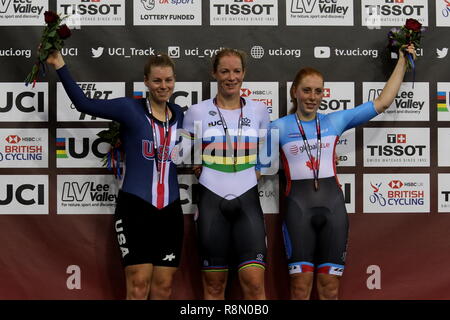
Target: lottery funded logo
[94,12]
[393,12]
[392,193]
[19,103]
[167,12]
[319,12]
[412,103]
[243,13]
[80,148]
[86,194]
[24,194]
[66,111]
[23,148]
[396,147]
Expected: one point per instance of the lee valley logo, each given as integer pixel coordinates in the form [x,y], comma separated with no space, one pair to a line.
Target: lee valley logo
[86,194]
[74,192]
[319,12]
[22,12]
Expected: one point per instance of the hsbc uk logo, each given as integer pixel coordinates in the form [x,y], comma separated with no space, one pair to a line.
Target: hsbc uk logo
[13,139]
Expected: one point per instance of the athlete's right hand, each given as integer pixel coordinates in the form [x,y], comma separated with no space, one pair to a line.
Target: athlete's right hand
[55,59]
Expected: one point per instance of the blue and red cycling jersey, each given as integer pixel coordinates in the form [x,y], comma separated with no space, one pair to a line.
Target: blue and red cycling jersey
[141,177]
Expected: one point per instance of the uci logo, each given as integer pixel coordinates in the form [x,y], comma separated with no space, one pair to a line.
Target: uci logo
[246,122]
[184,99]
[76,152]
[25,194]
[26,101]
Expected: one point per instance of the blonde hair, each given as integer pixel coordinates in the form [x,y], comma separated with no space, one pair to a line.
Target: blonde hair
[229,52]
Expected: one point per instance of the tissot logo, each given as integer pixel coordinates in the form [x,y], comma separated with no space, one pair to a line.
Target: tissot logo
[95,12]
[397,147]
[232,12]
[394,13]
[396,138]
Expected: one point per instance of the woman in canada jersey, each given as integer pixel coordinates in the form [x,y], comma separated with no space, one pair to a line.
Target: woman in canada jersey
[315,224]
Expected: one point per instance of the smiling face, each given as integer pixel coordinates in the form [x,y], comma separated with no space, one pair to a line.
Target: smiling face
[229,75]
[308,94]
[160,81]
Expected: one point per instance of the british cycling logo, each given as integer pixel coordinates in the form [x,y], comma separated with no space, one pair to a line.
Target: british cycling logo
[377,196]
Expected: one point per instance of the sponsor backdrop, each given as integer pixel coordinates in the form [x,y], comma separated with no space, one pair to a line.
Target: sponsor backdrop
[56,200]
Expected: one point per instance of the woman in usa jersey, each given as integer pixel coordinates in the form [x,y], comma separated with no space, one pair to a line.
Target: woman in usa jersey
[148,216]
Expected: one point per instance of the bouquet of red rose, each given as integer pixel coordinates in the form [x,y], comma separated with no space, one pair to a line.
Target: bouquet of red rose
[52,39]
[410,33]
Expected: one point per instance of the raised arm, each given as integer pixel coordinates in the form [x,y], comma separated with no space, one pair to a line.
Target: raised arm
[114,109]
[392,86]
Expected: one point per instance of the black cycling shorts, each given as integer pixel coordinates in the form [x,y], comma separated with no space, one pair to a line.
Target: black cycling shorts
[229,229]
[146,234]
[315,227]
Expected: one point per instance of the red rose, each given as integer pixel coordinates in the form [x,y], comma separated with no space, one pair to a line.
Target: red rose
[413,24]
[50,17]
[64,32]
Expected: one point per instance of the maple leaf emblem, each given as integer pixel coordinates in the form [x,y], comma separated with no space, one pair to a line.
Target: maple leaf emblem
[312,164]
